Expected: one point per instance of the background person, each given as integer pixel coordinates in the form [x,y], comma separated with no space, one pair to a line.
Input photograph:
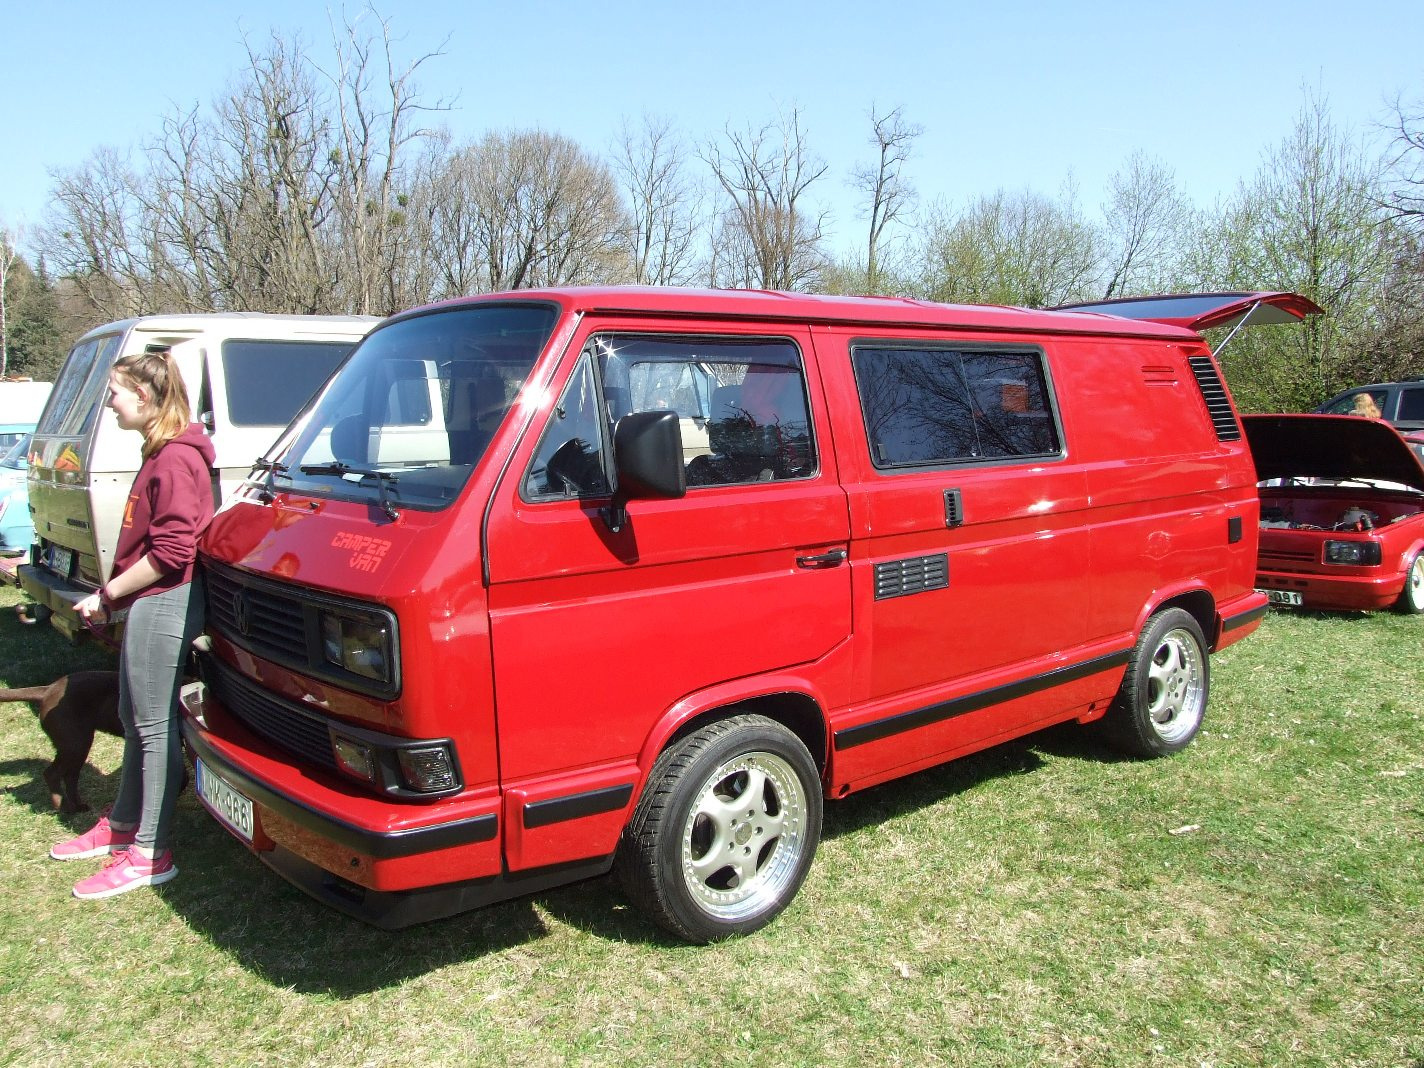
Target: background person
[153,576]
[1366,407]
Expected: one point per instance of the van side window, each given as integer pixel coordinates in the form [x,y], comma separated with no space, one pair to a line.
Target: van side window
[269,381]
[1411,405]
[927,405]
[741,402]
[569,460]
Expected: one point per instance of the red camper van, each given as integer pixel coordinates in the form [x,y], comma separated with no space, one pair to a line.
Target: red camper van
[550,583]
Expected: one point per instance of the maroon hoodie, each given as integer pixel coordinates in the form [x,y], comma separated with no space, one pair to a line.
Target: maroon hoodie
[169,505]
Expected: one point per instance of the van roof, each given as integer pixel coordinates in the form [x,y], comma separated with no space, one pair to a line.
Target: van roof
[199,322]
[804,307]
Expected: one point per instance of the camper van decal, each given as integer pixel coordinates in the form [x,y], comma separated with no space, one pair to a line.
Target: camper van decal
[366,552]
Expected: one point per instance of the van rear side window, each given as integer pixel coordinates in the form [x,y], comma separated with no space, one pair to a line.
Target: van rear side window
[925,405]
[269,381]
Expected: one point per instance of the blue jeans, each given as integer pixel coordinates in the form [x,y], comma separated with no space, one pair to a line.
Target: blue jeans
[159,632]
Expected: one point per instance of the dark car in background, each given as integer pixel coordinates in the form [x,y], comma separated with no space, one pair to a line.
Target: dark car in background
[1342,513]
[1401,404]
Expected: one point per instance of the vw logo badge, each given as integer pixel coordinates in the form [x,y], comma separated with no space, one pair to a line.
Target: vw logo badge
[239,612]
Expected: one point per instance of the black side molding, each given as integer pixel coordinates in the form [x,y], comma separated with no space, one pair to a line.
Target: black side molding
[577,806]
[921,717]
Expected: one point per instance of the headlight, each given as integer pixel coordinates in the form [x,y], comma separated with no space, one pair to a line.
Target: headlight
[360,646]
[1354,553]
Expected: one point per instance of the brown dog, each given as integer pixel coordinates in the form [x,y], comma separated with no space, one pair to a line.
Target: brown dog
[71,709]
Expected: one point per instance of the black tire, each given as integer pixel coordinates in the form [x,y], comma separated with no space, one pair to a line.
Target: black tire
[1159,707]
[1411,598]
[703,868]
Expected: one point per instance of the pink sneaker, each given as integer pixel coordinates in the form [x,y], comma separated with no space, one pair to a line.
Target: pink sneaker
[126,871]
[100,840]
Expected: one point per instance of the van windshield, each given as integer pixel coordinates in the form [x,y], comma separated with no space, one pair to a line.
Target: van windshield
[409,416]
[78,395]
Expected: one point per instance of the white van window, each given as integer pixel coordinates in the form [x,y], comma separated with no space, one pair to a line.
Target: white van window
[269,381]
[409,415]
[79,394]
[932,406]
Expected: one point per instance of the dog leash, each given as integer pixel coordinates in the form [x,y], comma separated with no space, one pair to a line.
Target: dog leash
[96,630]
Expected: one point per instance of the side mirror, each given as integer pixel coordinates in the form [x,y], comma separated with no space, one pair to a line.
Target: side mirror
[647,456]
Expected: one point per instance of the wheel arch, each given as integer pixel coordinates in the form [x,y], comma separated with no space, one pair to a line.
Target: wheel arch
[792,705]
[1199,604]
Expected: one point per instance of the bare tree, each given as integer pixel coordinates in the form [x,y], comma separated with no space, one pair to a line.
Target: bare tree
[286,195]
[8,257]
[524,209]
[374,127]
[1407,161]
[665,206]
[93,235]
[888,193]
[1144,216]
[766,174]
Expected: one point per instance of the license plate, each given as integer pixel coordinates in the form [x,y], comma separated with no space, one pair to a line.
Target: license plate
[1288,597]
[231,807]
[61,560]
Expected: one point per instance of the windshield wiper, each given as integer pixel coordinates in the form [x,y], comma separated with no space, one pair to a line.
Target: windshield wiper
[384,479]
[272,468]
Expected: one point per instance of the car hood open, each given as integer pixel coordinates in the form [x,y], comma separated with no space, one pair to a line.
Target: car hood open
[1332,447]
[1203,311]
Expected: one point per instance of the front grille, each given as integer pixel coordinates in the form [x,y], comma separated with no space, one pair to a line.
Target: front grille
[280,722]
[264,620]
[282,623]
[1218,405]
[1292,555]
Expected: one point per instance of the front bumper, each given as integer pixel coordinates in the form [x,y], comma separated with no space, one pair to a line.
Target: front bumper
[54,594]
[1342,593]
[388,863]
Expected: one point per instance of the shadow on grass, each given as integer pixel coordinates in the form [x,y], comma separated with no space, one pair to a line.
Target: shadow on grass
[271,929]
[599,908]
[277,933]
[290,940]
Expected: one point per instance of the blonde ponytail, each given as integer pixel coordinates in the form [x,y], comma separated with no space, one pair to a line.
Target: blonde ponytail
[158,375]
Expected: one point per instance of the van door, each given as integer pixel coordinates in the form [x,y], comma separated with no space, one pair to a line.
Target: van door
[971,558]
[597,635]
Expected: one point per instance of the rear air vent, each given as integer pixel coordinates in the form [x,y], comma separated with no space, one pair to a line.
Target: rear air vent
[1218,406]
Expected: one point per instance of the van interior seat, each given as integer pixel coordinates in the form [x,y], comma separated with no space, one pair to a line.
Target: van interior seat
[350,439]
[744,447]
[475,407]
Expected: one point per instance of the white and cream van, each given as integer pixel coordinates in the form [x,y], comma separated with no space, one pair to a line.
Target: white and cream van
[247,375]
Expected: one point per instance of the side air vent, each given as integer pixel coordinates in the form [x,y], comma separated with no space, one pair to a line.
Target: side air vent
[1218,406]
[900,578]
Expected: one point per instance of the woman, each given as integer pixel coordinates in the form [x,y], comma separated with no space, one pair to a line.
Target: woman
[1365,406]
[153,577]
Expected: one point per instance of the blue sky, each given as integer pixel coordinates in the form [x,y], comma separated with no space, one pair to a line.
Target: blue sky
[1011,95]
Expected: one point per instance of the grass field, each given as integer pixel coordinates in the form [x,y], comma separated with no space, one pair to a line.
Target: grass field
[1257,900]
